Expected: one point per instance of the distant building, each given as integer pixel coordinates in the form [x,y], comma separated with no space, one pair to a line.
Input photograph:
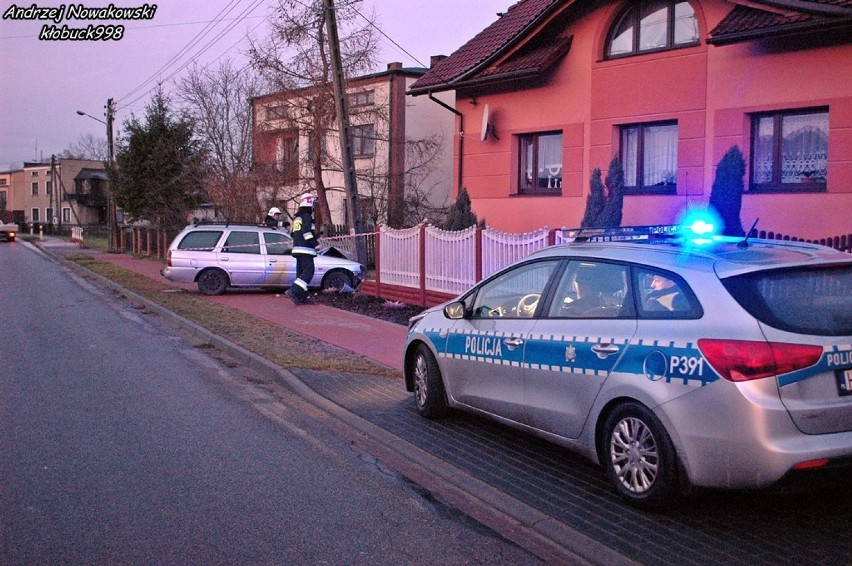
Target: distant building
[69,192]
[402,148]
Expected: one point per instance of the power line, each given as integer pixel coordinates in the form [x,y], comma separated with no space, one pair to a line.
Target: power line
[220,17]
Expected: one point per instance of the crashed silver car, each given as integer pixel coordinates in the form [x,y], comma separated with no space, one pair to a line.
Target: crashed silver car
[219,256]
[672,362]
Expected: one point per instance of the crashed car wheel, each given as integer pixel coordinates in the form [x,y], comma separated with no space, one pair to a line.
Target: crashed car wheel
[429,393]
[639,457]
[212,282]
[336,280]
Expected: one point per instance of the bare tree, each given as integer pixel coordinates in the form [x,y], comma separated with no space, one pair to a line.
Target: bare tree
[416,173]
[294,59]
[87,146]
[217,99]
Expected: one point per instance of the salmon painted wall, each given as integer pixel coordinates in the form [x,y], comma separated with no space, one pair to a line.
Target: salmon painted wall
[710,91]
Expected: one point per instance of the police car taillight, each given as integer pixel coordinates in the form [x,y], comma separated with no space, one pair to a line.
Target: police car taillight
[744,360]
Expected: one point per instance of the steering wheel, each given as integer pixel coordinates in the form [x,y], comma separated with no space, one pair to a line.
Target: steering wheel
[528,304]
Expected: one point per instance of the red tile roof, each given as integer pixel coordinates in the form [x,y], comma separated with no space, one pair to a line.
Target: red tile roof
[508,27]
[472,60]
[745,23]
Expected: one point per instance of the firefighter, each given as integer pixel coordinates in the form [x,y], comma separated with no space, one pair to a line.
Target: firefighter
[273,217]
[304,249]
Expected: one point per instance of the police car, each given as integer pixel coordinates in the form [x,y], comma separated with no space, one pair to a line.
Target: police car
[673,359]
[219,256]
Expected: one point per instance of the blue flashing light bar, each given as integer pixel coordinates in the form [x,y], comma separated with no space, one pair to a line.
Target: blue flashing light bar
[622,233]
[696,229]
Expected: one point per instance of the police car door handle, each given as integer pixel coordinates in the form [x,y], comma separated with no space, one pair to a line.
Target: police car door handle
[603,350]
[513,342]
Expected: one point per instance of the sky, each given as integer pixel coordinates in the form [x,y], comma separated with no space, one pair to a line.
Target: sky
[44,82]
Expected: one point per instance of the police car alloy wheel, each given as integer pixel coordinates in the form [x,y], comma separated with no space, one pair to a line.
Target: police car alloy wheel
[212,282]
[639,457]
[429,394]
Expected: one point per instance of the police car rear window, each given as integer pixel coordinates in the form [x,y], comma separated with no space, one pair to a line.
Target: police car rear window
[815,301]
[201,240]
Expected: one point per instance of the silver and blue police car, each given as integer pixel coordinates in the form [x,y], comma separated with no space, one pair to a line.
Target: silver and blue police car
[673,362]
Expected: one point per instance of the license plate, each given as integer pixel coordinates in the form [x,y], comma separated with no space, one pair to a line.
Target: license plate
[844,381]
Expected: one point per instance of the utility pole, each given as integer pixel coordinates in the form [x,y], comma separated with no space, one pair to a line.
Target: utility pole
[350,181]
[112,232]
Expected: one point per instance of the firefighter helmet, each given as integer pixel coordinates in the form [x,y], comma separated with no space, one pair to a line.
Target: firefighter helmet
[307,199]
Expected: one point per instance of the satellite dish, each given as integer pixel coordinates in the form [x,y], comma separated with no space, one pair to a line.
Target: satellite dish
[483,135]
[487,127]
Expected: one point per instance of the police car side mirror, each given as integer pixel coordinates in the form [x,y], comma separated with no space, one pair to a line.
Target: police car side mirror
[455,311]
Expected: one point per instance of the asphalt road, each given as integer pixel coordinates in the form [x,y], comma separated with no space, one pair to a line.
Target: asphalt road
[121,442]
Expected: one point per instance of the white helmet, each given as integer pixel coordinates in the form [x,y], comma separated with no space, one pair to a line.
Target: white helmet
[274,210]
[307,199]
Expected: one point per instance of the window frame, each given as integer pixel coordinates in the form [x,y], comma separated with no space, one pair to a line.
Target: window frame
[634,14]
[246,242]
[363,140]
[533,140]
[640,188]
[362,98]
[776,185]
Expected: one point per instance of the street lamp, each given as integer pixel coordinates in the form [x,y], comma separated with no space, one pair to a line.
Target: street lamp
[111,228]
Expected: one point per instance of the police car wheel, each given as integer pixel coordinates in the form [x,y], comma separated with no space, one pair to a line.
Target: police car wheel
[429,394]
[639,457]
[212,282]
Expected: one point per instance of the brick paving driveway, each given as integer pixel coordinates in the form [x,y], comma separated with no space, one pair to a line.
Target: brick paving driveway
[730,528]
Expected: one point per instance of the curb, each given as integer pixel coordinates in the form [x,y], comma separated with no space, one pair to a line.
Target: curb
[513,519]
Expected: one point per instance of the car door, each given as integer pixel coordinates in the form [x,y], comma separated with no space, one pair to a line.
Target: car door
[280,265]
[241,257]
[583,331]
[484,351]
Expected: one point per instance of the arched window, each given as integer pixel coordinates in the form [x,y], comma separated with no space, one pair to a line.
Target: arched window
[653,25]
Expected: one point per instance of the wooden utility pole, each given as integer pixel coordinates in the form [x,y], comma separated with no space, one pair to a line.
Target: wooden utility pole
[112,228]
[350,181]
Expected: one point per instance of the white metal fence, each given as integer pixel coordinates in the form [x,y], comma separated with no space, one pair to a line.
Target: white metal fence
[450,262]
[450,265]
[500,249]
[399,257]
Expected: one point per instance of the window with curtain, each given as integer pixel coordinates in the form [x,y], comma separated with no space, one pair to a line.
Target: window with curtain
[789,151]
[653,26]
[540,163]
[649,157]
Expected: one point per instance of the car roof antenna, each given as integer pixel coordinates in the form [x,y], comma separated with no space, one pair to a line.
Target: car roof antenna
[744,242]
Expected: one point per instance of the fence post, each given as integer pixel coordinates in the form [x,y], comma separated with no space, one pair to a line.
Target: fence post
[377,257]
[477,254]
[422,245]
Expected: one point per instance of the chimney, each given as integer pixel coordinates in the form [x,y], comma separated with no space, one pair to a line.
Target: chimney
[435,59]
[395,66]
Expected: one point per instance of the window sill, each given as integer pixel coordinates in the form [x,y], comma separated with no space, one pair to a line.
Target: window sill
[551,193]
[661,190]
[794,189]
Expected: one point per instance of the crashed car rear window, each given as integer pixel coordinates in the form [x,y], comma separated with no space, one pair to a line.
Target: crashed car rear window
[802,300]
[202,240]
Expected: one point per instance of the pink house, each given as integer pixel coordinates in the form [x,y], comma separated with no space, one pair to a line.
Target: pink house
[555,88]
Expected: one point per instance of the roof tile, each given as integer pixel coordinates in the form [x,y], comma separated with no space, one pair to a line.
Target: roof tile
[485,44]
